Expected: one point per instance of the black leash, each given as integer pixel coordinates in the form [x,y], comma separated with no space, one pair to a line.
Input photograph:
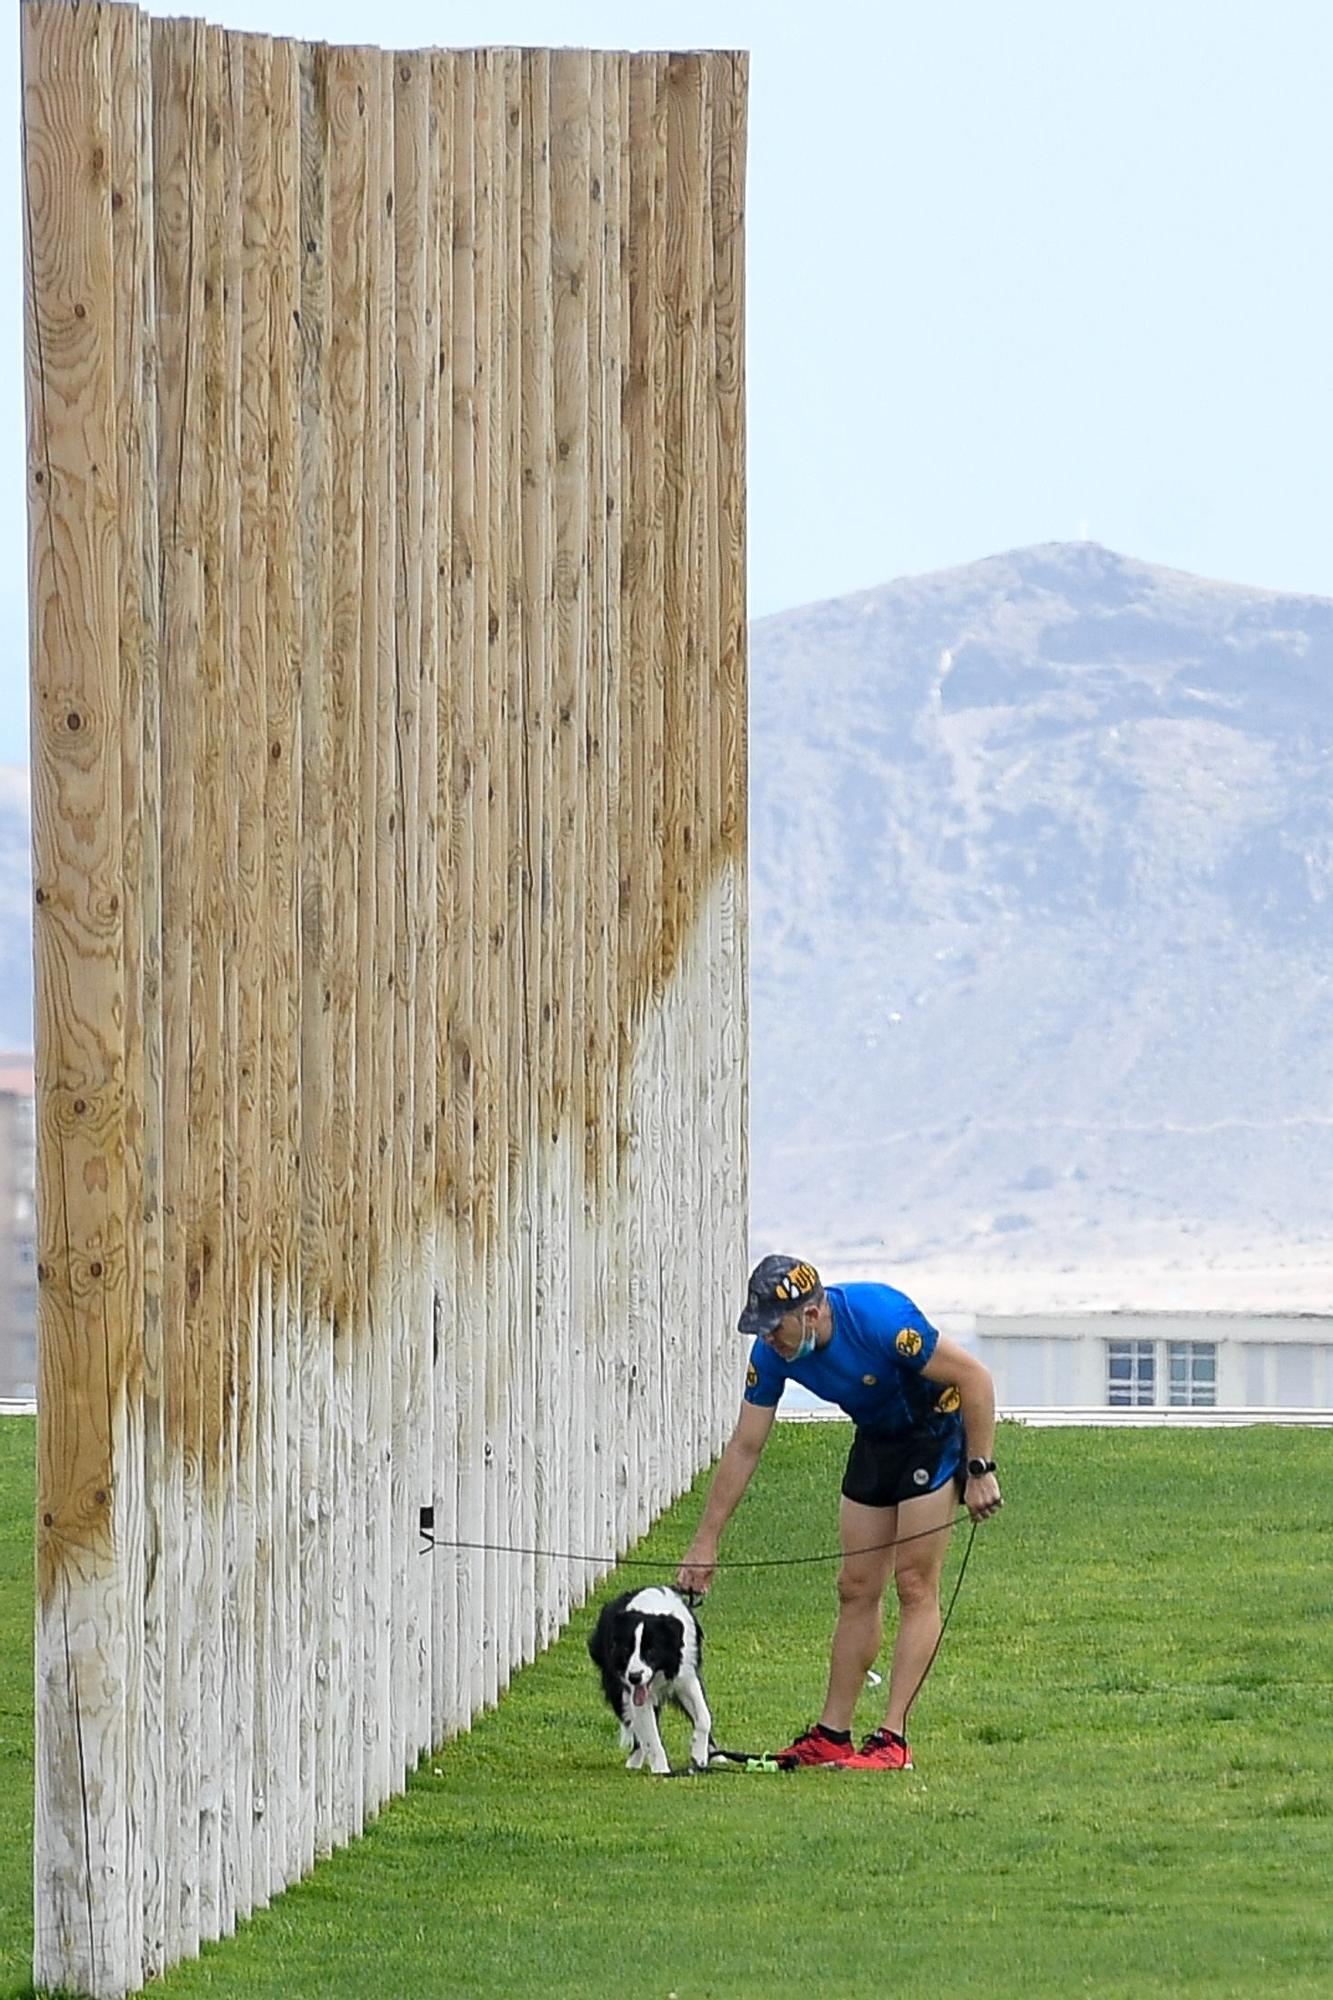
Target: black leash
[745,1760]
[430,1540]
[944,1622]
[717,1757]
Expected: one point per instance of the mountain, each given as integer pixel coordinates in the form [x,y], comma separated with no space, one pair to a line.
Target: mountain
[1042,922]
[1041,934]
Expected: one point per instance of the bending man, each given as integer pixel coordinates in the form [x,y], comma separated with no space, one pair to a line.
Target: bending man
[924,1411]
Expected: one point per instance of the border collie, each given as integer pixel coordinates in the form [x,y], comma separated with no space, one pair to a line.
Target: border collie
[649,1648]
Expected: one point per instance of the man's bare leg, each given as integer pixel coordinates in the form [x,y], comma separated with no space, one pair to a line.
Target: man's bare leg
[861,1584]
[917,1569]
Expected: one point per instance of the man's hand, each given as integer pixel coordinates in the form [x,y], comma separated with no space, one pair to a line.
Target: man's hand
[981,1497]
[696,1569]
[730,1480]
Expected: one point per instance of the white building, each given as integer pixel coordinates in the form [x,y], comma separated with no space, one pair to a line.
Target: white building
[1157,1360]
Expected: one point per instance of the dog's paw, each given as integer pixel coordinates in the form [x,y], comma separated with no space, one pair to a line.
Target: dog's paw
[634,1760]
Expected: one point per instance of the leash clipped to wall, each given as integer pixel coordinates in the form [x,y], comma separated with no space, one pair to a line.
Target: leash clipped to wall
[430,1540]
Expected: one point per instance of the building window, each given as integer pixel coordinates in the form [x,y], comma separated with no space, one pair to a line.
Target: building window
[1131,1373]
[1191,1374]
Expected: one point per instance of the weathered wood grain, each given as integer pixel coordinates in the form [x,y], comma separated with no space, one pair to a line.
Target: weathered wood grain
[275,1802]
[411,192]
[311,1778]
[87,1486]
[253,1495]
[378,668]
[387,560]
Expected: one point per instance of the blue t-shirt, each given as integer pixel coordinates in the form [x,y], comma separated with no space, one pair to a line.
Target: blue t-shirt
[871,1366]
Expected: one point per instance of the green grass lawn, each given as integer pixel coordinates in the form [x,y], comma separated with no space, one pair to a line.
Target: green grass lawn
[1124,1780]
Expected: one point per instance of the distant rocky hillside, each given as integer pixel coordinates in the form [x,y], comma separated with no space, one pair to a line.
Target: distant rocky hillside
[1041,922]
[1042,916]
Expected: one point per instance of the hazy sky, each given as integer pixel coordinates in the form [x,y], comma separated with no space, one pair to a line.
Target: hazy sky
[1017,272]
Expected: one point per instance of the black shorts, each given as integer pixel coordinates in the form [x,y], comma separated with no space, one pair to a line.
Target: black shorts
[881,1471]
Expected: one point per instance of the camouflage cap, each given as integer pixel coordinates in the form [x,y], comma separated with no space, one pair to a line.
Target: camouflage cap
[778,1285]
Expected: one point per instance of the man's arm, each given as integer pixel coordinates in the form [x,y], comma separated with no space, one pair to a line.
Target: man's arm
[734,1470]
[976,1389]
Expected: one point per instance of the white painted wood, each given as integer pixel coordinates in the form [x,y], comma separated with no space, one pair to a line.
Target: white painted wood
[442,1563]
[349,937]
[275,1801]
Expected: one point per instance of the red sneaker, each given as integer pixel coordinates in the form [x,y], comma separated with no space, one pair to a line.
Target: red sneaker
[881,1751]
[812,1747]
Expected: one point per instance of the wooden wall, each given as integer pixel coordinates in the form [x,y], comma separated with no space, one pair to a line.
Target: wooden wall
[388,649]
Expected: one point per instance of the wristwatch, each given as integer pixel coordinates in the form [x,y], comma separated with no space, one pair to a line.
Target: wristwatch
[977,1468]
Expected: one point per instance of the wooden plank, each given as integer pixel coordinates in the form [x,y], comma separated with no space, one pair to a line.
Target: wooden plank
[204,1334]
[278,1803]
[623,725]
[313,1774]
[178,114]
[423,122]
[728,250]
[691,975]
[444,1491]
[352,141]
[131,262]
[570,107]
[500,1567]
[655,1412]
[379,663]
[485,1473]
[255,1386]
[536,947]
[712,1313]
[531,945]
[679,885]
[505,601]
[459,963]
[605,369]
[638,852]
[520,1518]
[411,198]
[592,1207]
[234,1346]
[133,238]
[84,1840]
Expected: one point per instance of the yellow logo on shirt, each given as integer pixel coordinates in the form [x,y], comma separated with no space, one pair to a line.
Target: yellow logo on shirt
[908,1341]
[751,1377]
[949,1401]
[869,1381]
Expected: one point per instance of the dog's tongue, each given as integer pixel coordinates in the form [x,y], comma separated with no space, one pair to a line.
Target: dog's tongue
[640,1695]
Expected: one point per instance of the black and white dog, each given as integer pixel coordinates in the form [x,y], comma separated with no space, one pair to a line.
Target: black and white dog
[649,1648]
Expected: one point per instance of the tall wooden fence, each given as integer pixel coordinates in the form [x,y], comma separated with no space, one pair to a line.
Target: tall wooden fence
[386,502]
